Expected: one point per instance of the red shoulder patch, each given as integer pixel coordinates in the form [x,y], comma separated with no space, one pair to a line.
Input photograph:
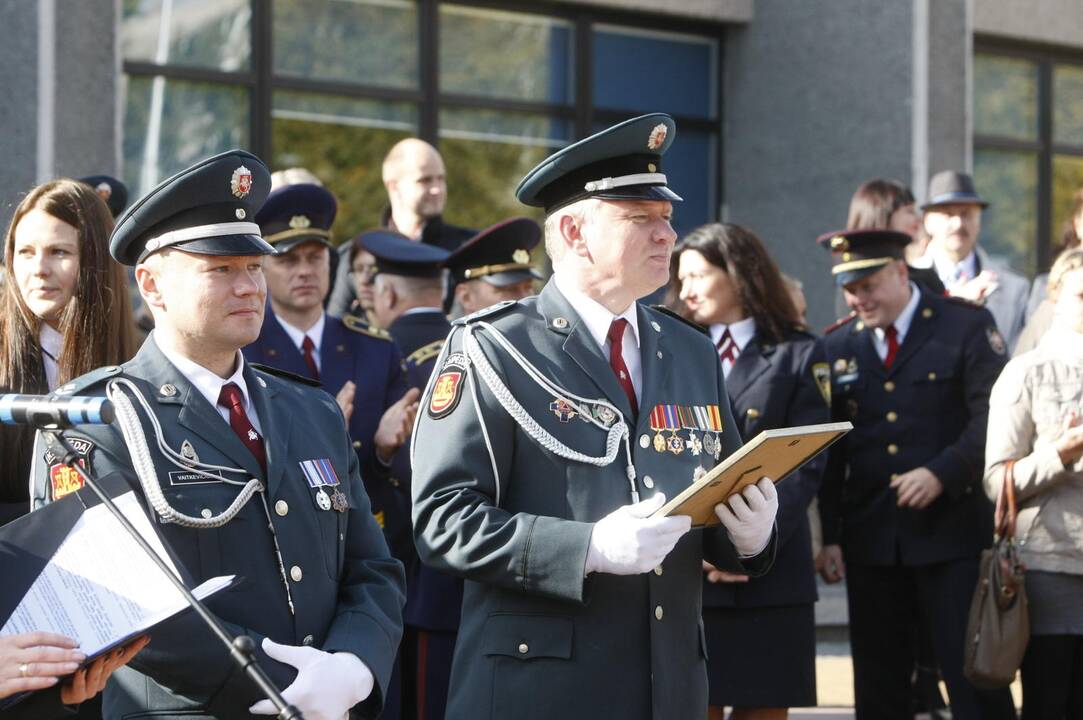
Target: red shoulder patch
[839,323]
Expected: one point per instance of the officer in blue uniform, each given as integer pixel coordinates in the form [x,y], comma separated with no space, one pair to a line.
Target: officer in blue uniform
[409,291]
[553,430]
[357,364]
[245,470]
[904,515]
[494,265]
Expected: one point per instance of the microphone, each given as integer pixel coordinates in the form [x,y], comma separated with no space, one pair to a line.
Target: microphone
[51,411]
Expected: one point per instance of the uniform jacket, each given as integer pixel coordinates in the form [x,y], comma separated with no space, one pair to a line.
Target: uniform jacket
[496,507]
[1030,400]
[346,590]
[433,599]
[1008,302]
[347,352]
[16,446]
[929,410]
[776,386]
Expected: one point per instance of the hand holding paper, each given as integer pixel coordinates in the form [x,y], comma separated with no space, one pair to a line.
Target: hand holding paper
[327,684]
[749,517]
[628,541]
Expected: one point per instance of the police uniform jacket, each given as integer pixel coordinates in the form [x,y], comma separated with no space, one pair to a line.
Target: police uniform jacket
[347,592]
[539,639]
[775,386]
[1008,302]
[433,599]
[929,410]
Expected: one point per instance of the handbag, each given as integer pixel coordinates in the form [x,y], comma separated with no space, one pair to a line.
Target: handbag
[998,627]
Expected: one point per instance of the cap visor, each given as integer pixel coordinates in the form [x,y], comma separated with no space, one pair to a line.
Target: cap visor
[285,246]
[845,278]
[239,245]
[640,192]
[511,277]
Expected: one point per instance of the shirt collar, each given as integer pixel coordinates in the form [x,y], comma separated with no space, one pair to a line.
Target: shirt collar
[902,323]
[594,315]
[741,331]
[419,310]
[206,382]
[946,269]
[297,336]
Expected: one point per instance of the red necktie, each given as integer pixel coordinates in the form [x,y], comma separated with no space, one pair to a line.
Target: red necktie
[232,399]
[616,361]
[892,336]
[308,346]
[727,347]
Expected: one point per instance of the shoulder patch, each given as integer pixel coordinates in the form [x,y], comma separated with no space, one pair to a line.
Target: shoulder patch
[486,312]
[996,340]
[425,352]
[676,316]
[358,325]
[278,372]
[448,386]
[841,322]
[821,373]
[88,380]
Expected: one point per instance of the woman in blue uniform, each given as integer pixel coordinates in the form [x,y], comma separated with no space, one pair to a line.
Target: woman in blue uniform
[760,632]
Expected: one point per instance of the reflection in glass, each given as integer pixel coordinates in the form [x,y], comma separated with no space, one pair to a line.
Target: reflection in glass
[368,42]
[1067,181]
[1005,97]
[343,141]
[171,124]
[506,55]
[487,153]
[192,33]
[1008,179]
[631,67]
[1068,104]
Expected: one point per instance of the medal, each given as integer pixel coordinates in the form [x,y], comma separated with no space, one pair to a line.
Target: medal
[605,415]
[338,501]
[717,448]
[675,444]
[658,423]
[708,443]
[322,500]
[694,444]
[660,443]
[563,410]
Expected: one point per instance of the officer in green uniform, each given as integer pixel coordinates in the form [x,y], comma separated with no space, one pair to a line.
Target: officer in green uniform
[245,470]
[551,431]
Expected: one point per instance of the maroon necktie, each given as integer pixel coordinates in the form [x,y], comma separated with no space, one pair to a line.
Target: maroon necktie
[308,346]
[231,399]
[727,347]
[616,361]
[892,336]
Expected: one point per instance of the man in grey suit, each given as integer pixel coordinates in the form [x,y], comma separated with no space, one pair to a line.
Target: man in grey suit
[953,222]
[551,431]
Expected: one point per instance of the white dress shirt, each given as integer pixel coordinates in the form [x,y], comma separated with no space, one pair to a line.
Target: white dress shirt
[51,341]
[953,274]
[742,333]
[297,337]
[902,324]
[598,318]
[208,383]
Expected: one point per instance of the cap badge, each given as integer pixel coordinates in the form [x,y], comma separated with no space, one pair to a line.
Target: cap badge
[840,243]
[651,167]
[104,190]
[658,136]
[521,256]
[300,222]
[241,215]
[241,182]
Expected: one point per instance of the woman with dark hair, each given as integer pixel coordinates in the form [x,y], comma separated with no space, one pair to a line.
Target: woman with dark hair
[776,376]
[64,310]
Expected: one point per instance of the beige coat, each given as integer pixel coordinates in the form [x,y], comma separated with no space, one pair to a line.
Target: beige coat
[1026,410]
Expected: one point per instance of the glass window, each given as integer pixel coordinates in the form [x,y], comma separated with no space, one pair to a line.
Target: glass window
[1005,97]
[1068,104]
[171,124]
[631,66]
[690,171]
[1009,181]
[1067,181]
[192,33]
[487,153]
[505,55]
[343,141]
[368,42]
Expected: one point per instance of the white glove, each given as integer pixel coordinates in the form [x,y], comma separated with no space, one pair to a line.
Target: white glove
[750,517]
[627,542]
[327,684]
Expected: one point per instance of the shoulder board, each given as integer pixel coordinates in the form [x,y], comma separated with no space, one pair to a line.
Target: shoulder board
[963,302]
[486,312]
[676,316]
[841,322]
[278,372]
[352,322]
[88,380]
[425,352]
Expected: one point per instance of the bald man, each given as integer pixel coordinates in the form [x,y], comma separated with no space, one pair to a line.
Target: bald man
[416,182]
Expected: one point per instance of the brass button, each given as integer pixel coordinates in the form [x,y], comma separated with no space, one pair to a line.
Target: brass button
[206,512]
[308,640]
[927,313]
[859,326]
[892,416]
[296,574]
[648,481]
[893,476]
[892,449]
[658,571]
[644,441]
[932,376]
[523,648]
[658,612]
[356,444]
[282,507]
[752,413]
[889,386]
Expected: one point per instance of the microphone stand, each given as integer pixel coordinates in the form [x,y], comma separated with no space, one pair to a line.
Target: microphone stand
[241,648]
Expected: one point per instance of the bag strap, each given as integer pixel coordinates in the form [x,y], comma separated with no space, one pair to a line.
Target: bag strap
[1005,508]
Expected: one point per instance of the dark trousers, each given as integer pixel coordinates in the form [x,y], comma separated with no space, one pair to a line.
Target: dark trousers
[1053,678]
[885,604]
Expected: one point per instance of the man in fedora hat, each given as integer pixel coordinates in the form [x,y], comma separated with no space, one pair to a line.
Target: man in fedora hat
[953,222]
